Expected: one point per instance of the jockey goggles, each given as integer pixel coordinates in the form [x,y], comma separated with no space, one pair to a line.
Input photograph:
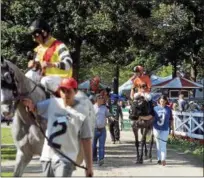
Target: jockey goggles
[143,86]
[36,33]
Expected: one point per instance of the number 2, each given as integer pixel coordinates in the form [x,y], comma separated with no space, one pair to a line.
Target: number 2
[55,134]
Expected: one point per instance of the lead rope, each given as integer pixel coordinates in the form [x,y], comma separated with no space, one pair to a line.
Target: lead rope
[58,151]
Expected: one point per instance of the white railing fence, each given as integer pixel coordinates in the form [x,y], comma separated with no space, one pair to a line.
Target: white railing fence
[189,124]
[185,123]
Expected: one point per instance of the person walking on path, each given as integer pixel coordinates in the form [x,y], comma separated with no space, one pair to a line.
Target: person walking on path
[116,111]
[67,127]
[100,129]
[162,120]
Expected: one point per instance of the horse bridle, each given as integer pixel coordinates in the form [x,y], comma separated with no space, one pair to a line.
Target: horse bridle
[8,81]
[19,96]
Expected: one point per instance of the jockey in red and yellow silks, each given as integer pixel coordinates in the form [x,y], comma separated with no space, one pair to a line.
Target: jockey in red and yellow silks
[53,56]
[55,52]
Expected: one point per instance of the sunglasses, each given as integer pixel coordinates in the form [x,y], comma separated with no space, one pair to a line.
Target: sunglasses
[143,86]
[36,33]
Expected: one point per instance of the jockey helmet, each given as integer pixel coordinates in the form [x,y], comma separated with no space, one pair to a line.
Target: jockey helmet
[39,25]
[69,83]
[138,69]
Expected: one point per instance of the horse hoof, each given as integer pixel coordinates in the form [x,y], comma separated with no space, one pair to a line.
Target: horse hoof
[150,160]
[137,162]
[140,161]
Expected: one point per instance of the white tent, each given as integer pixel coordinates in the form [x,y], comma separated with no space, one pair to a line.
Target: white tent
[125,86]
[86,85]
[154,79]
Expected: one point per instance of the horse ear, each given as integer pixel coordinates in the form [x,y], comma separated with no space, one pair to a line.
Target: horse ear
[2,59]
[3,62]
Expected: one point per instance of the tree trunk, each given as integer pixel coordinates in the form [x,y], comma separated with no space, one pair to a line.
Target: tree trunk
[194,70]
[76,58]
[194,73]
[174,70]
[116,80]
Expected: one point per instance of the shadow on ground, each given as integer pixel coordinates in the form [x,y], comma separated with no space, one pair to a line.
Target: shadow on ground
[124,155]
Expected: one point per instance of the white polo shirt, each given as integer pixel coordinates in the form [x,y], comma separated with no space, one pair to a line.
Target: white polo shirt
[66,126]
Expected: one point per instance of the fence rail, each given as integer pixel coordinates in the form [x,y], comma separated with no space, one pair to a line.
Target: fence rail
[185,123]
[189,124]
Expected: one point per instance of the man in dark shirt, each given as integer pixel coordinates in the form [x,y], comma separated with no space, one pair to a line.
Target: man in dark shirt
[116,111]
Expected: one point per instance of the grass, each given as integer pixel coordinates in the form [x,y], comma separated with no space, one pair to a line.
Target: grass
[192,147]
[6,137]
[7,153]
[6,174]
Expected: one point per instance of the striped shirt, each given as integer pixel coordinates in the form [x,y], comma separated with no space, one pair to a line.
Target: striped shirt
[65,60]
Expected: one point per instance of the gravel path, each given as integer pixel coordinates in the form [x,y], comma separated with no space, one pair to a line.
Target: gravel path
[120,160]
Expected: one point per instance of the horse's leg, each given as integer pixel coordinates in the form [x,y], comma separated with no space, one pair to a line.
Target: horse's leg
[151,145]
[22,161]
[142,145]
[135,131]
[146,151]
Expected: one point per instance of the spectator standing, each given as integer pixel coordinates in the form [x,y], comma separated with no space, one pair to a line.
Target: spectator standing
[182,103]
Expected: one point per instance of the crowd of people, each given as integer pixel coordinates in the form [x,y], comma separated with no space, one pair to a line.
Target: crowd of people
[51,66]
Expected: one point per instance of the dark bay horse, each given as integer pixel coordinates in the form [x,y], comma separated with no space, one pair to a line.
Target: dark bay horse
[26,134]
[141,107]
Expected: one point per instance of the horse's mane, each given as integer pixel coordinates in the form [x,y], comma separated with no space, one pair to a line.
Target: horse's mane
[26,85]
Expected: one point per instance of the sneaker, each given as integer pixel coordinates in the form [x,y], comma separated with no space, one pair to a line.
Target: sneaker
[163,163]
[159,162]
[95,160]
[101,162]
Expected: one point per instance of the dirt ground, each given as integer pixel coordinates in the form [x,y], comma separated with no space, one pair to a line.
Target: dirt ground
[120,161]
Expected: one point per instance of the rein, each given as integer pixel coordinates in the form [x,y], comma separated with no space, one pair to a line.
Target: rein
[20,96]
[55,149]
[15,101]
[43,133]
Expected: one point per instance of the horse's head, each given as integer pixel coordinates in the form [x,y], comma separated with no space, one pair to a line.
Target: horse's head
[139,107]
[9,89]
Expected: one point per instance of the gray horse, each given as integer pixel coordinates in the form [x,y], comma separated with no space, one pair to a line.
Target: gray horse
[26,134]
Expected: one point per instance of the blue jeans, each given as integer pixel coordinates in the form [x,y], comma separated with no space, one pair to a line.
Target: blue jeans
[101,136]
[161,145]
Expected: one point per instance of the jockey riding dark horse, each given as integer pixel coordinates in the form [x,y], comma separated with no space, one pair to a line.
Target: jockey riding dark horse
[141,106]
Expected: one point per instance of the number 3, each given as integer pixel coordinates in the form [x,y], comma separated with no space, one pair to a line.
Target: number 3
[55,134]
